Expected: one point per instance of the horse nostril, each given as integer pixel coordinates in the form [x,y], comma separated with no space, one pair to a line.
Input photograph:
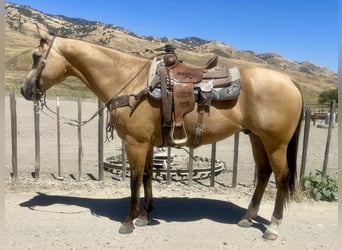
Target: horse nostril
[27,96]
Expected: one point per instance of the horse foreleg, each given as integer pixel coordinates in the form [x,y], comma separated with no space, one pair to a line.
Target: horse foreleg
[127,225]
[263,172]
[148,199]
[136,155]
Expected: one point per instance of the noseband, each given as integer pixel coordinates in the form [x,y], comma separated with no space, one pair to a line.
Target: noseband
[37,93]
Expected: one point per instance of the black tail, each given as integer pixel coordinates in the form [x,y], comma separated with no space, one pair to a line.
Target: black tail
[291,154]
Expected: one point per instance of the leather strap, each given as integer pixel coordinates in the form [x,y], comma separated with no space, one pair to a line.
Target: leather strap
[166,97]
[126,100]
[198,132]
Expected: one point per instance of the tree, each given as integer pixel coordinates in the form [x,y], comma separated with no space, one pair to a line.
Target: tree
[328,96]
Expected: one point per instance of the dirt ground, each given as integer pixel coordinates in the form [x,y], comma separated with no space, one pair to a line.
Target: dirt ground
[67,214]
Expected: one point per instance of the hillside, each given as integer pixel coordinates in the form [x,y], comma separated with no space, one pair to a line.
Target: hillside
[21,39]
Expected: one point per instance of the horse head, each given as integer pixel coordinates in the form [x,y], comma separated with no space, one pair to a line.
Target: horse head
[48,68]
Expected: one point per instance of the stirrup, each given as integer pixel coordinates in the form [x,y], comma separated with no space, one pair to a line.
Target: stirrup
[181,134]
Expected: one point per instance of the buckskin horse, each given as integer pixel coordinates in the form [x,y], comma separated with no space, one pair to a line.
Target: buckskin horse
[269,108]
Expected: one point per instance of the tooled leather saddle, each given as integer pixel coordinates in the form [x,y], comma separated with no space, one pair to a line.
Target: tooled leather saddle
[180,86]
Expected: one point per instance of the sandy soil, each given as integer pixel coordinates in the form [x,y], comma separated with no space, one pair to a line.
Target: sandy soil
[54,214]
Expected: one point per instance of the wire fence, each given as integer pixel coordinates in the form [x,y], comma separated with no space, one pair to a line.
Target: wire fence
[324,119]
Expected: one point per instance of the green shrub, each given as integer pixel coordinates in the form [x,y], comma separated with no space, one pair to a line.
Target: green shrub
[328,96]
[320,186]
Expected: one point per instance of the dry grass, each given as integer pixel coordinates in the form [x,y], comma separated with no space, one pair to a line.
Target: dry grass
[19,47]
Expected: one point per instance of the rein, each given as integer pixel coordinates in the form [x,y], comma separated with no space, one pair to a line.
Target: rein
[114,103]
[72,122]
[120,101]
[131,100]
[126,100]
[37,93]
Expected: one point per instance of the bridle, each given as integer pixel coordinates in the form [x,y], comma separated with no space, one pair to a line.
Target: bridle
[37,93]
[131,100]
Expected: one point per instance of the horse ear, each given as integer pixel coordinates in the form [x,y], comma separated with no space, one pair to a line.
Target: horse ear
[44,34]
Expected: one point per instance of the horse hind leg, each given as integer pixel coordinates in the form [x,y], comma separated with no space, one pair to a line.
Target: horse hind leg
[278,161]
[263,172]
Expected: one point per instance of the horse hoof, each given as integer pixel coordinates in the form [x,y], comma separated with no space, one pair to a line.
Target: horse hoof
[270,235]
[141,222]
[126,229]
[245,223]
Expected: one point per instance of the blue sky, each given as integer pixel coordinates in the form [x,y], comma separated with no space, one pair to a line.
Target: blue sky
[301,30]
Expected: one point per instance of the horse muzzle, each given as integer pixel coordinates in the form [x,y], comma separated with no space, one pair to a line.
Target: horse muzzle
[27,89]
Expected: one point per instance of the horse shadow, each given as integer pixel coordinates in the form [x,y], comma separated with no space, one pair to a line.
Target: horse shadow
[181,209]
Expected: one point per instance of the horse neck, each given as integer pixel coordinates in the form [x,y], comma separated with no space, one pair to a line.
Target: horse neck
[106,72]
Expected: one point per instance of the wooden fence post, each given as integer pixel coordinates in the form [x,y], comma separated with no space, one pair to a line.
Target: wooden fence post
[37,139]
[213,160]
[13,109]
[168,169]
[236,158]
[79,132]
[100,141]
[327,147]
[59,170]
[191,165]
[305,141]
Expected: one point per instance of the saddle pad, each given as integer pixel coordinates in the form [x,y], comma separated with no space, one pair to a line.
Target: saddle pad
[153,77]
[229,89]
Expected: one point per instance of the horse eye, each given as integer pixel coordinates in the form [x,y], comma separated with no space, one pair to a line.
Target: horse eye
[36,56]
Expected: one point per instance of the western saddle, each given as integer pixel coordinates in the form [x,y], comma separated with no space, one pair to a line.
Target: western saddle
[181,86]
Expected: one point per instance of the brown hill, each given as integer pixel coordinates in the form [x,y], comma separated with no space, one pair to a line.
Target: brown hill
[21,38]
